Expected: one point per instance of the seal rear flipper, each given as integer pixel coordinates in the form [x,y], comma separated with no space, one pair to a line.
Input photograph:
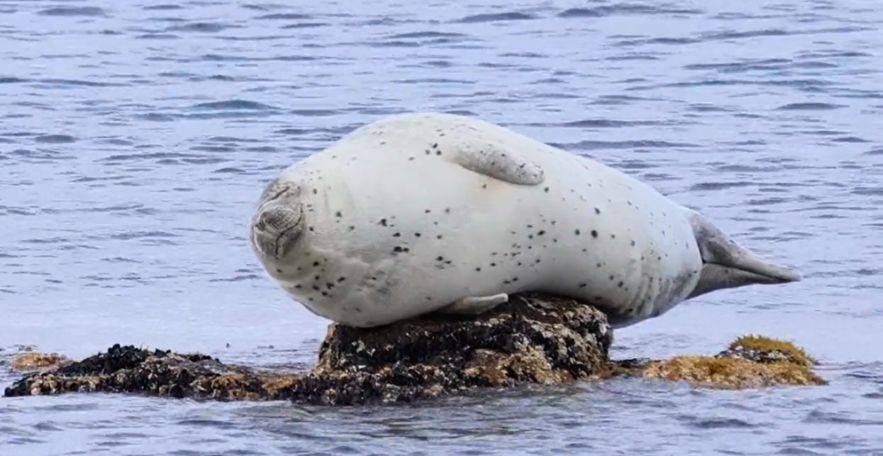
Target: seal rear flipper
[474,305]
[727,265]
[495,162]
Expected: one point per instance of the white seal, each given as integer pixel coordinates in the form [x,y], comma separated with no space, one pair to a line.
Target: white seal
[433,212]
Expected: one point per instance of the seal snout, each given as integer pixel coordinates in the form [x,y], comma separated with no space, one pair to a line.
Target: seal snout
[278,223]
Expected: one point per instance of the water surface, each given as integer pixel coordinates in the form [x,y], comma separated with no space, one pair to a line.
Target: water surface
[136,137]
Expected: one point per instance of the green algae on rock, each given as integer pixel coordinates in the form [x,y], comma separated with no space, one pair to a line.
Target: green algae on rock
[748,362]
[532,339]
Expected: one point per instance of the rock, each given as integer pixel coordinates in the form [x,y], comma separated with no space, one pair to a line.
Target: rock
[537,339]
[31,361]
[531,339]
[748,362]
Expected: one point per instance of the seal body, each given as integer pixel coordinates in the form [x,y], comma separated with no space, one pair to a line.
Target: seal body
[414,213]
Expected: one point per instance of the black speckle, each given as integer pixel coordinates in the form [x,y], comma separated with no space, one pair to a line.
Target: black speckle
[439,236]
[341,279]
[440,258]
[594,233]
[597,211]
[397,235]
[338,214]
[383,222]
[315,263]
[546,189]
[576,232]
[417,234]
[582,285]
[541,232]
[619,284]
[633,243]
[279,270]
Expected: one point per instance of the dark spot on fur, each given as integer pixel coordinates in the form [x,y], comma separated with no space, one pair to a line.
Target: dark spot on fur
[594,233]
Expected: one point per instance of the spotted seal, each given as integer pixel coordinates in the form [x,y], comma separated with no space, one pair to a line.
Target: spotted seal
[419,213]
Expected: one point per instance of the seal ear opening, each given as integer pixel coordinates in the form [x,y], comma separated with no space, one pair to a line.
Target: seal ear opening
[726,265]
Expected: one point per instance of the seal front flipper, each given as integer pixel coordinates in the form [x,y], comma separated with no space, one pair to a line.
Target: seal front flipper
[474,305]
[493,161]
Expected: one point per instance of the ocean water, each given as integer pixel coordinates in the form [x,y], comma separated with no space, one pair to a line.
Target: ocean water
[135,138]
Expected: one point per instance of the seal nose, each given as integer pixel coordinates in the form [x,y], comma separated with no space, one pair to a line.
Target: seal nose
[276,227]
[278,222]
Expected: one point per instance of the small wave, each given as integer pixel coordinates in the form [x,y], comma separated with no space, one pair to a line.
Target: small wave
[496,17]
[11,80]
[229,171]
[233,105]
[808,106]
[55,139]
[284,16]
[426,34]
[869,191]
[203,27]
[876,151]
[77,82]
[150,156]
[158,36]
[313,112]
[625,9]
[72,11]
[163,7]
[305,25]
[705,186]
[608,123]
[143,235]
[639,144]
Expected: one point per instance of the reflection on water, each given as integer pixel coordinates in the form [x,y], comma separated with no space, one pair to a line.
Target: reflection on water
[134,140]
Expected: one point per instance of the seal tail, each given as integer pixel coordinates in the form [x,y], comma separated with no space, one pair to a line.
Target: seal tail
[278,222]
[726,265]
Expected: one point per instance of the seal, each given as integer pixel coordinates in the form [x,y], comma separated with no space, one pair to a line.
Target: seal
[418,213]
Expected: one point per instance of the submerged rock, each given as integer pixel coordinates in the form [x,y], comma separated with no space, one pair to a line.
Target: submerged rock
[748,362]
[33,361]
[532,339]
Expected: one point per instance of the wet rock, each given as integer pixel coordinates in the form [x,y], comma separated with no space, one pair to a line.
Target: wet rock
[532,339]
[748,362]
[32,361]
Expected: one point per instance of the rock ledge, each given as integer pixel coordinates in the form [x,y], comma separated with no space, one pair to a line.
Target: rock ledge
[532,339]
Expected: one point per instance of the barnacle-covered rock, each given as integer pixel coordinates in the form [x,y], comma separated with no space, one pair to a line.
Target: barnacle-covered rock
[531,339]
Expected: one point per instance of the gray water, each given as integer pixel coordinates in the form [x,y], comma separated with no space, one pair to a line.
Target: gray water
[135,138]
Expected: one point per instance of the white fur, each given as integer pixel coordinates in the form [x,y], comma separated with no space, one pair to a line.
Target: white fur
[481,197]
